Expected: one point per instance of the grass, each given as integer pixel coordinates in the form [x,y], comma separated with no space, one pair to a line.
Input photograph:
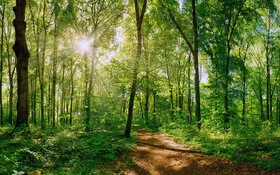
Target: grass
[260,145]
[64,150]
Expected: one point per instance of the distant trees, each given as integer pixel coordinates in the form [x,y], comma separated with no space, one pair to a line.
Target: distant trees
[188,61]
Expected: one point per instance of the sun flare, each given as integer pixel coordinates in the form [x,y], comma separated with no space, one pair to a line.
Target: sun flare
[84,45]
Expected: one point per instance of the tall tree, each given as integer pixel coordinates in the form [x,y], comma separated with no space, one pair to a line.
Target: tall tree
[139,21]
[22,55]
[11,66]
[2,60]
[192,43]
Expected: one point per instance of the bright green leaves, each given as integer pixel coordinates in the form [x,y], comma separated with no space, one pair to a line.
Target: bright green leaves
[69,13]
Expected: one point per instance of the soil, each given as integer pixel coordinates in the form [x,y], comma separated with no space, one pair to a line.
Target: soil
[158,154]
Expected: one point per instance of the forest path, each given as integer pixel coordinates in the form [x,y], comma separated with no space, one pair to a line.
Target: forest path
[158,154]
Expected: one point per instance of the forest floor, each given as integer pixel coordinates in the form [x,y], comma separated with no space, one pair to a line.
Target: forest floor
[158,154]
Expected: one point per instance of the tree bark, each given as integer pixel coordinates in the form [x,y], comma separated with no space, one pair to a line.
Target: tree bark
[22,55]
[1,63]
[11,71]
[244,91]
[268,75]
[139,21]
[54,69]
[42,71]
[72,92]
[196,75]
[189,92]
[147,97]
[172,112]
[89,92]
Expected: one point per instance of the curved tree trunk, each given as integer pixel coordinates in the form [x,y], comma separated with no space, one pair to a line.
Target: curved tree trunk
[139,21]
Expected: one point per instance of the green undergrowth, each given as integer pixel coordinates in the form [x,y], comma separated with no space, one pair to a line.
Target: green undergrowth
[259,145]
[64,150]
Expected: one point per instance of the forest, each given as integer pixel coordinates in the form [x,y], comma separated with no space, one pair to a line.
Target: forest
[83,83]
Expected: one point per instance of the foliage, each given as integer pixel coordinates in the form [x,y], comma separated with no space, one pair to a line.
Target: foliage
[63,150]
[259,144]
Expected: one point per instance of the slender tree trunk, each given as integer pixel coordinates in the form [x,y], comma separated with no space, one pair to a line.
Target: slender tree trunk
[154,109]
[147,96]
[262,115]
[244,93]
[49,100]
[196,75]
[278,98]
[90,88]
[244,84]
[139,21]
[54,68]
[226,110]
[42,71]
[189,92]
[181,100]
[268,74]
[278,106]
[34,99]
[123,106]
[172,112]
[22,55]
[11,72]
[1,63]
[11,77]
[63,89]
[72,92]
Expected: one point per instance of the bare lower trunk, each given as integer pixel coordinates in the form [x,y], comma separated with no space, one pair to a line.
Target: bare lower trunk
[189,92]
[1,64]
[22,55]
[139,21]
[196,75]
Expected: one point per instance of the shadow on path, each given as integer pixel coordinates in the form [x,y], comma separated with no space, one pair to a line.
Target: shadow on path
[158,154]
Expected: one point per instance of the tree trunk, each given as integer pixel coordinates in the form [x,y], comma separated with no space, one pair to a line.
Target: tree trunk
[189,92]
[63,89]
[139,21]
[244,93]
[72,92]
[244,83]
[262,115]
[11,72]
[196,75]
[42,71]
[89,92]
[54,69]
[278,106]
[181,100]
[22,55]
[1,63]
[194,50]
[147,96]
[172,112]
[11,77]
[268,73]
[33,90]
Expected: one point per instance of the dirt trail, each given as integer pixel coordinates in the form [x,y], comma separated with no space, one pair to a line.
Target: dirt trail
[157,154]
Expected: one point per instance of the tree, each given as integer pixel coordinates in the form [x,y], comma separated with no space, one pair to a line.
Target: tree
[2,60]
[139,21]
[22,55]
[193,46]
[11,65]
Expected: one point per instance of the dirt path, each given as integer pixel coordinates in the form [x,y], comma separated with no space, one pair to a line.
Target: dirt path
[157,154]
